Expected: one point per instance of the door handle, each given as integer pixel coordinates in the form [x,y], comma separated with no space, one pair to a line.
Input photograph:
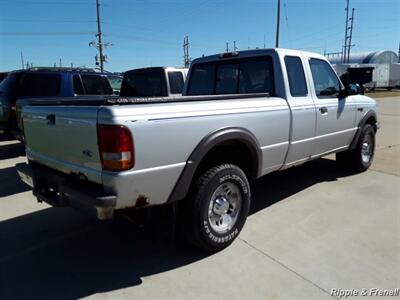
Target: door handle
[323,110]
[51,119]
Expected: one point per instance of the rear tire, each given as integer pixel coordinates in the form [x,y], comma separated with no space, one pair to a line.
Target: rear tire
[218,212]
[360,158]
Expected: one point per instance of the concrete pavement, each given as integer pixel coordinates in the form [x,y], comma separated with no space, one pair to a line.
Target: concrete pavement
[311,229]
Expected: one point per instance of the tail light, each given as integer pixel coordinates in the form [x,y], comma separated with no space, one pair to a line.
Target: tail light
[115,147]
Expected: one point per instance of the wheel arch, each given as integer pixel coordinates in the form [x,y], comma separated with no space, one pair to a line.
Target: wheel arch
[369,118]
[215,143]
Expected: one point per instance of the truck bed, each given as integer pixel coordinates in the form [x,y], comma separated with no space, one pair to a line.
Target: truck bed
[115,100]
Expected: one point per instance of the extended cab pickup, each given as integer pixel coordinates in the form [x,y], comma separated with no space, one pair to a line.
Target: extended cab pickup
[243,115]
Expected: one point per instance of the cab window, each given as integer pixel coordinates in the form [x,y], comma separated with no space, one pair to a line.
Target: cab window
[326,83]
[295,73]
[237,76]
[175,82]
[39,85]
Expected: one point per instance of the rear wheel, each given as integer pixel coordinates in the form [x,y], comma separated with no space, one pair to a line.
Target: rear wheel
[219,208]
[360,158]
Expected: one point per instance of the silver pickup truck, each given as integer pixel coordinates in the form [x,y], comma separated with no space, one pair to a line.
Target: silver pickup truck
[243,115]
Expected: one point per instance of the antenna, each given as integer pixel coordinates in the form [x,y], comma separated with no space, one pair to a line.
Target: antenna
[227,47]
[234,46]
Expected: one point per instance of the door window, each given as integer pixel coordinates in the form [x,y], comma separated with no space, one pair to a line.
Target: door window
[326,83]
[295,73]
[78,87]
[175,82]
[96,85]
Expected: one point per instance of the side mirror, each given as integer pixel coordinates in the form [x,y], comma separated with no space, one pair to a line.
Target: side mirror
[353,89]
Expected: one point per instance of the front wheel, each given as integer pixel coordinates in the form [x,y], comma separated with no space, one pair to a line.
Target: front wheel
[360,158]
[220,207]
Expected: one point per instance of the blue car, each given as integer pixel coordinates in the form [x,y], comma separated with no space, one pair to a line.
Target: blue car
[45,82]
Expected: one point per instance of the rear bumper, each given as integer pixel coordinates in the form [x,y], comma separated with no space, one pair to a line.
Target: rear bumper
[59,189]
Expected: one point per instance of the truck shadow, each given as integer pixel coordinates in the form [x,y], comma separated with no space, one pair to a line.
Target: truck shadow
[10,182]
[277,186]
[60,254]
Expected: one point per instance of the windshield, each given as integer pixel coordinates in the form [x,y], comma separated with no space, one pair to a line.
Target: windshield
[143,83]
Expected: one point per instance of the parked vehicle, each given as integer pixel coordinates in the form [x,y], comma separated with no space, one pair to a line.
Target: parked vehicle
[45,83]
[153,82]
[3,75]
[115,82]
[243,115]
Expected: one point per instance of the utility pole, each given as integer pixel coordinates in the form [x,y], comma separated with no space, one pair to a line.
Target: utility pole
[234,46]
[345,33]
[278,17]
[99,44]
[186,58]
[398,54]
[22,61]
[350,36]
[99,36]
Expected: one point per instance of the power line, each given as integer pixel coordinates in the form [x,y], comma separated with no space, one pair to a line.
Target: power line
[35,33]
[45,21]
[141,38]
[46,2]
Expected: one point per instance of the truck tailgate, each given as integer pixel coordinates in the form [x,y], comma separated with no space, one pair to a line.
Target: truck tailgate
[64,138]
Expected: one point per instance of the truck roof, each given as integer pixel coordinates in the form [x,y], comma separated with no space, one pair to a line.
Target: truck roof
[255,52]
[60,70]
[157,68]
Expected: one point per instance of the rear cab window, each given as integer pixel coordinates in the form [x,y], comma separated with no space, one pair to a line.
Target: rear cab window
[175,82]
[296,77]
[144,83]
[39,85]
[236,76]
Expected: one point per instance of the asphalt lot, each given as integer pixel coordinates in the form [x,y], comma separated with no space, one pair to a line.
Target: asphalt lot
[311,229]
